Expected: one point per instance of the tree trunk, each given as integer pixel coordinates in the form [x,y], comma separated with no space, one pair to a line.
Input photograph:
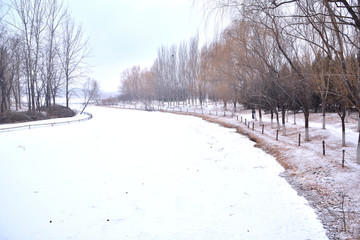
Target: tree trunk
[323,107]
[18,91]
[277,120]
[287,116]
[343,121]
[29,95]
[343,132]
[67,95]
[54,100]
[347,116]
[32,94]
[260,116]
[16,100]
[307,115]
[283,113]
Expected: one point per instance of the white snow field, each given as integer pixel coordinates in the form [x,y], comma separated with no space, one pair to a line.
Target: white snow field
[129,174]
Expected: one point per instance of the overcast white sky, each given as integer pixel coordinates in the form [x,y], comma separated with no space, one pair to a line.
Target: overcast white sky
[124,33]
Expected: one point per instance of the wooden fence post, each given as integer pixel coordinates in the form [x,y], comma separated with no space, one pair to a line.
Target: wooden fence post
[343,159]
[299,139]
[253,125]
[323,142]
[262,130]
[277,134]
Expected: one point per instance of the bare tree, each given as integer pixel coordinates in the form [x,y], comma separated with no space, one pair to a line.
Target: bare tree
[41,50]
[56,16]
[15,72]
[193,69]
[183,56]
[73,53]
[3,77]
[90,91]
[30,20]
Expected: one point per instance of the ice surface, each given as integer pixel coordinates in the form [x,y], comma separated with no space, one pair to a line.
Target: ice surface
[145,175]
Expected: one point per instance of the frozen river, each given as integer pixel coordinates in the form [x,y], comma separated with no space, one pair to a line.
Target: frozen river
[145,175]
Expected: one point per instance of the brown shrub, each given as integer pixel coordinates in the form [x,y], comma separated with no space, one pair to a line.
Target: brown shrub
[58,111]
[16,117]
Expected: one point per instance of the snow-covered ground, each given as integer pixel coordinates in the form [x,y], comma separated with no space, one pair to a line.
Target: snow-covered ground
[140,175]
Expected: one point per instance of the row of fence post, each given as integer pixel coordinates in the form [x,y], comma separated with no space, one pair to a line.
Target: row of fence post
[247,123]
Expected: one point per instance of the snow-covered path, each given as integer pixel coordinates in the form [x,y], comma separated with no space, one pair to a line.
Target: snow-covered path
[139,175]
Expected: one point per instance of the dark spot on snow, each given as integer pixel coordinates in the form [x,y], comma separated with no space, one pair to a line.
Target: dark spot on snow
[107,220]
[126,192]
[50,221]
[21,147]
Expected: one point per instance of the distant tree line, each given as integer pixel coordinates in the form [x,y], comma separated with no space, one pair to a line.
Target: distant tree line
[173,77]
[42,54]
[275,56]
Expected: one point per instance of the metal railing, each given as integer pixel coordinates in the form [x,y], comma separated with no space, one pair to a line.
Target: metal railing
[33,125]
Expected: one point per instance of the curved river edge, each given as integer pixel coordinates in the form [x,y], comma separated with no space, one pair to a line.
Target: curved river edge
[320,196]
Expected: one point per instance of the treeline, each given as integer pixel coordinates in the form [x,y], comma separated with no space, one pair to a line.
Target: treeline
[42,54]
[173,76]
[275,56]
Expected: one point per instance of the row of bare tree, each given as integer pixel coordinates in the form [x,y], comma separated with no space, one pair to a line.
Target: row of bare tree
[309,50]
[42,54]
[275,56]
[173,76]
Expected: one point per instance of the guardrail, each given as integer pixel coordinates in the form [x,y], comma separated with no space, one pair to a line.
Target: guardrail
[47,124]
